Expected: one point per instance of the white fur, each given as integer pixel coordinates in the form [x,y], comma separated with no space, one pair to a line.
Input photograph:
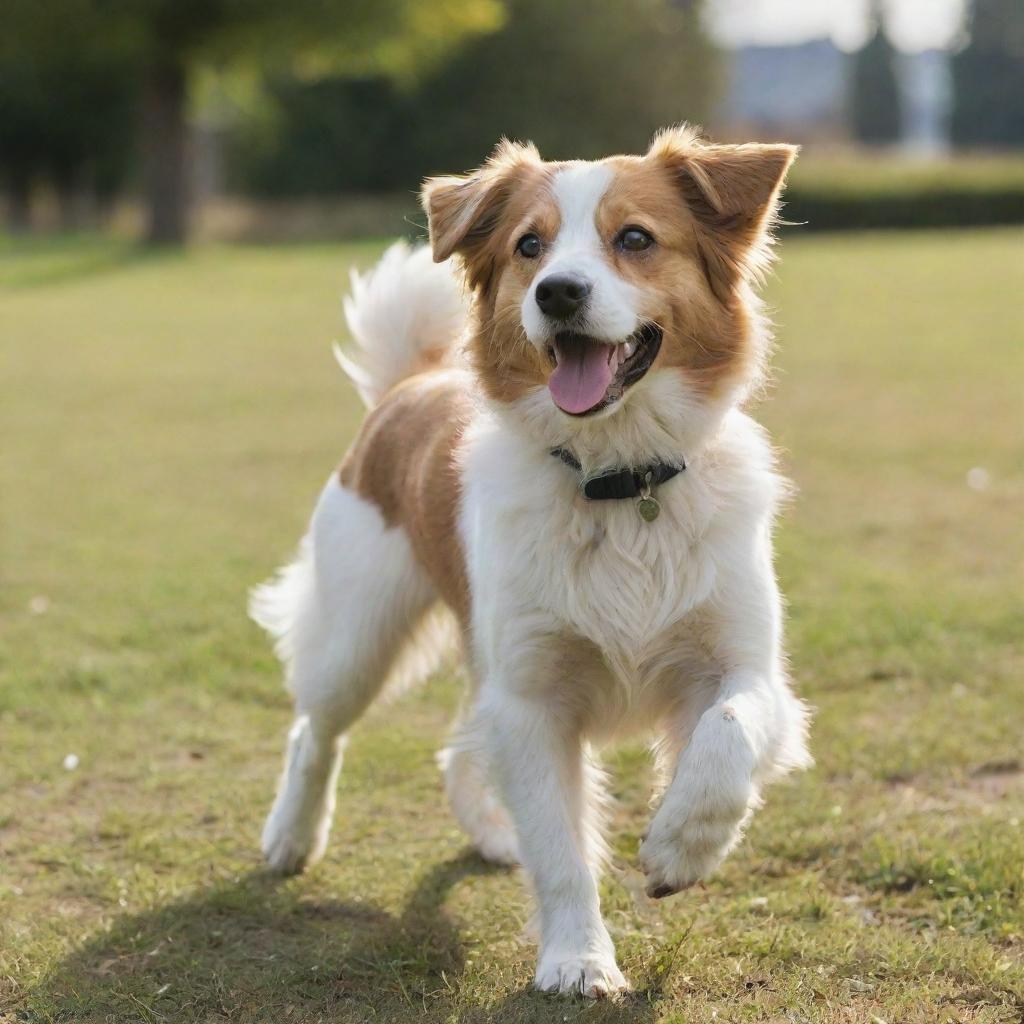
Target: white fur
[611,313]
[405,305]
[480,813]
[341,616]
[587,623]
[684,620]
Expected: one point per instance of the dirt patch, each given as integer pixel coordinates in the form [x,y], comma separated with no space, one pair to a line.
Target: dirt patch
[986,785]
[997,780]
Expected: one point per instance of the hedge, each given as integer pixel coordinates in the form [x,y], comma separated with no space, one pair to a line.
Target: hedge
[823,195]
[888,193]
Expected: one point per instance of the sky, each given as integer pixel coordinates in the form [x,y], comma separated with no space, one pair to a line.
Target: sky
[913,25]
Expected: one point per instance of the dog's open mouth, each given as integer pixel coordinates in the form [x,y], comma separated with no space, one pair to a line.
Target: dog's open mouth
[590,374]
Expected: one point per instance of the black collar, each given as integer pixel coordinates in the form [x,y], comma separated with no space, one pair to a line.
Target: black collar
[630,482]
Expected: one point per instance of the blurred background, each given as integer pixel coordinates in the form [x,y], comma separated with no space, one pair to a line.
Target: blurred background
[252,119]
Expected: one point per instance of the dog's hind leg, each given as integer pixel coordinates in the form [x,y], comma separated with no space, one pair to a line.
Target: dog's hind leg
[341,614]
[474,802]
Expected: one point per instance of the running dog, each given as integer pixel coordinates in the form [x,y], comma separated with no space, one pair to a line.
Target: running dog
[556,453]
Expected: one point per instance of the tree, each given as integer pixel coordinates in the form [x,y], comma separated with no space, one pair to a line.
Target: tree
[581,78]
[64,118]
[167,41]
[988,77]
[875,95]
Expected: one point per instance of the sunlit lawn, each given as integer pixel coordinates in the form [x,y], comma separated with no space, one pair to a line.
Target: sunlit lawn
[166,424]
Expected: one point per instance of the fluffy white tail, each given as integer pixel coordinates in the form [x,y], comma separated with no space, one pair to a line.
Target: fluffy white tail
[403,316]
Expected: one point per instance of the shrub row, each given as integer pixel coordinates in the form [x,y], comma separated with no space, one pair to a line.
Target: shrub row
[847,195]
[948,208]
[889,193]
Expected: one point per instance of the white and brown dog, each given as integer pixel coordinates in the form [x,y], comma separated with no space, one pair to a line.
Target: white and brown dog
[556,453]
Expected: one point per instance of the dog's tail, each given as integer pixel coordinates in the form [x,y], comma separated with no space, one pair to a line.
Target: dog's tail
[404,316]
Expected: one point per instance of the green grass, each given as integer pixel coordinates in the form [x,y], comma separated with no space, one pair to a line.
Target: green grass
[167,422]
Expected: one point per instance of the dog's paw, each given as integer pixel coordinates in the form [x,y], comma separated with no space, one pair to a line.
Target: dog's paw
[591,975]
[289,848]
[673,859]
[498,844]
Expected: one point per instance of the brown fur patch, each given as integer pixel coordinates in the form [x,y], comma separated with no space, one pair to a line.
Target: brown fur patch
[404,461]
[703,336]
[733,194]
[479,218]
[507,364]
[466,213]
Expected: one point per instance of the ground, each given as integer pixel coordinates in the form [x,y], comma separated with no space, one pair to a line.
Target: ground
[167,423]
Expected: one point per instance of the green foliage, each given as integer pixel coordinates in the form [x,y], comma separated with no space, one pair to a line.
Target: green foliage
[67,111]
[311,35]
[164,42]
[61,120]
[988,78]
[581,78]
[328,137]
[874,92]
[847,193]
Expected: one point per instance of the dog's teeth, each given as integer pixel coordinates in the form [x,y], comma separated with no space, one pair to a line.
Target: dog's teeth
[628,349]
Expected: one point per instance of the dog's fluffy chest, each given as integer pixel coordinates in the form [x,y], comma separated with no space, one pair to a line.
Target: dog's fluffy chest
[538,550]
[617,580]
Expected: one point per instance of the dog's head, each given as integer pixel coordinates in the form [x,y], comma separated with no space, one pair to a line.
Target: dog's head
[590,278]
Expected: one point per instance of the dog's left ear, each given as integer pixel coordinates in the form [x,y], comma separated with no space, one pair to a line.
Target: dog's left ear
[733,194]
[462,212]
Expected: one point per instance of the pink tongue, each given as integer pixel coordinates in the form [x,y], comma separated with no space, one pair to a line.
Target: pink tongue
[582,375]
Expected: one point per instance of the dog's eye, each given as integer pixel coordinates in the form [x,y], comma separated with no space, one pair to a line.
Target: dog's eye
[528,246]
[635,240]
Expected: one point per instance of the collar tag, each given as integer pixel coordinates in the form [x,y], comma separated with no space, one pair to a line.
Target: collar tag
[648,505]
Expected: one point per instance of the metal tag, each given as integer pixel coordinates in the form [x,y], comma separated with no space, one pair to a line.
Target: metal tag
[647,505]
[648,508]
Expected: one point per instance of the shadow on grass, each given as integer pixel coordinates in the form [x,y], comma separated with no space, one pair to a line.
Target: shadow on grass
[41,262]
[258,950]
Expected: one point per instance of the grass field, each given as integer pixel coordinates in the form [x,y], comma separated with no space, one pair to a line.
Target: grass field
[167,422]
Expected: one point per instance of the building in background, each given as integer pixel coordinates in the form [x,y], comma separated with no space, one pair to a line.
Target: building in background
[794,92]
[802,92]
[926,89]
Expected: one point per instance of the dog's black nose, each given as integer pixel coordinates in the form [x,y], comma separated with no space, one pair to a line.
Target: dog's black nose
[561,295]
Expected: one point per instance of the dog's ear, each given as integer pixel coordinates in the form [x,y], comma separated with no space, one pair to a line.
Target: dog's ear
[733,194]
[463,211]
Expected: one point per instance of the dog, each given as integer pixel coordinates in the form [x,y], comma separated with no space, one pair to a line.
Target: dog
[555,453]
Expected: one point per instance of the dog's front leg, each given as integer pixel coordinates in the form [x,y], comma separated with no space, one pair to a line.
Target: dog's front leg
[541,768]
[713,790]
[753,729]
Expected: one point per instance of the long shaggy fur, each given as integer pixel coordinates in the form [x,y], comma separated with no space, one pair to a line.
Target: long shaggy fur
[402,315]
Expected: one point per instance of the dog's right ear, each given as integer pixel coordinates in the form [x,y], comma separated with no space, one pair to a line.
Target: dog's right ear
[463,211]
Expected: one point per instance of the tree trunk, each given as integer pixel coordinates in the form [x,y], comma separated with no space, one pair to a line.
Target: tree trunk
[19,203]
[165,154]
[68,198]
